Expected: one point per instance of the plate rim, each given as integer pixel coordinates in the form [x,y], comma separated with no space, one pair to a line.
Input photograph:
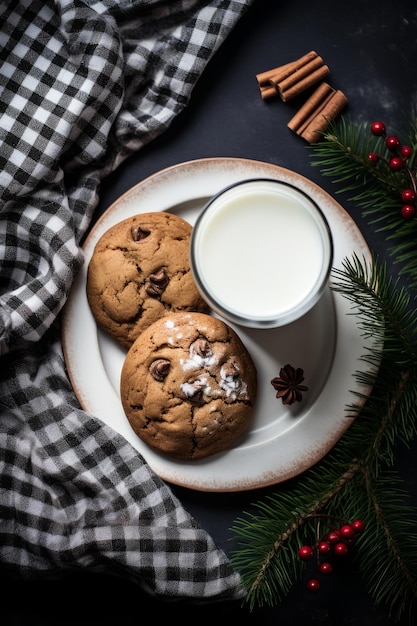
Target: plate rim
[221,166]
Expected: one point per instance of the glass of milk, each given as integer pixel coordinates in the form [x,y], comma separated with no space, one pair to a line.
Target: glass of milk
[261,253]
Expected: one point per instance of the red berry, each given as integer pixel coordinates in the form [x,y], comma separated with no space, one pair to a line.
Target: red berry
[378,129]
[324,547]
[408,211]
[373,158]
[313,585]
[392,142]
[408,196]
[306,553]
[340,549]
[347,532]
[326,568]
[358,526]
[333,536]
[406,151]
[396,164]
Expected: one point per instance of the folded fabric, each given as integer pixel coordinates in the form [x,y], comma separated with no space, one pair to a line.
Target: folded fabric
[83,85]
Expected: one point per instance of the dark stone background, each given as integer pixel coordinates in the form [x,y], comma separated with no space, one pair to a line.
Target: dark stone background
[371,49]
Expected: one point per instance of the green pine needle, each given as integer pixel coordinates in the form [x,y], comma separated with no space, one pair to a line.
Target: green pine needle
[356,478]
[343,156]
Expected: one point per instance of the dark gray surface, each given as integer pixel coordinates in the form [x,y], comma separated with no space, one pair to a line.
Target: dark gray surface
[371,49]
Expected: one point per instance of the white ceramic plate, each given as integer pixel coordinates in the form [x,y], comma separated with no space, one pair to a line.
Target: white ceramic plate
[326,343]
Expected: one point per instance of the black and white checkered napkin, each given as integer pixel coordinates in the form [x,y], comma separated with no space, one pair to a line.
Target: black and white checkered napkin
[83,84]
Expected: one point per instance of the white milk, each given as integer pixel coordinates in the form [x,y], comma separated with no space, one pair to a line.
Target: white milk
[261,250]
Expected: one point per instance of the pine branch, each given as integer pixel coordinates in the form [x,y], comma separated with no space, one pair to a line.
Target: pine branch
[267,557]
[343,156]
[391,577]
[356,478]
[381,305]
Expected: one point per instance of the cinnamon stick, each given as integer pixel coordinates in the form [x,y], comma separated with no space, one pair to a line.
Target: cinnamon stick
[268,91]
[331,110]
[277,73]
[267,85]
[267,80]
[324,105]
[305,83]
[290,80]
[285,83]
[264,77]
[311,107]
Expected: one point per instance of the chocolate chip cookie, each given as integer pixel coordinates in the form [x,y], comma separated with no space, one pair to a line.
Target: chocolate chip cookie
[188,386]
[139,271]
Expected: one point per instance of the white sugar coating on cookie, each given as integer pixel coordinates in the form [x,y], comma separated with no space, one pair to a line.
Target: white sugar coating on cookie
[234,386]
[198,359]
[188,386]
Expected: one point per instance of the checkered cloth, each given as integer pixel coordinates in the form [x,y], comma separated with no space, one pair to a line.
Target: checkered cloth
[83,84]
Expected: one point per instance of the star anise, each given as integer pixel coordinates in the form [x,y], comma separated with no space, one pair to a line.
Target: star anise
[288,384]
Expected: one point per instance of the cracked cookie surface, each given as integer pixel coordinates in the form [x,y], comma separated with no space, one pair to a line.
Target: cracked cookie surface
[139,271]
[188,386]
